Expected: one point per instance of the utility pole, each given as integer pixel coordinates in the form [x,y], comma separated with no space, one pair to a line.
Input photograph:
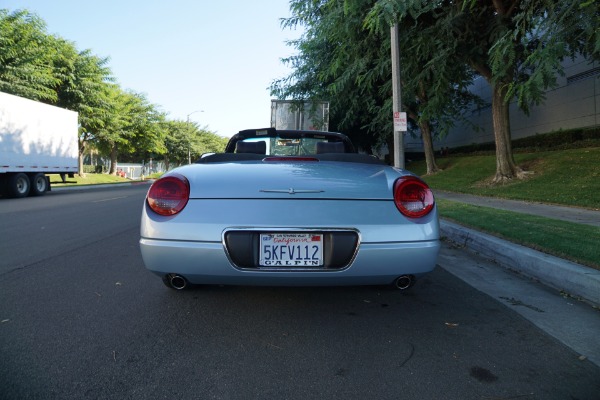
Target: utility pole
[397,97]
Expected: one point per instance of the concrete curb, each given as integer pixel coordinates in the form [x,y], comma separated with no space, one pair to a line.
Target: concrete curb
[574,279]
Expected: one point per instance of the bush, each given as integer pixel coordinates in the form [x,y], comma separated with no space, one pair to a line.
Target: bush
[558,140]
[94,169]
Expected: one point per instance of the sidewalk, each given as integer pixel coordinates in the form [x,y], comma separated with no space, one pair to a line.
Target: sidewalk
[570,214]
[565,276]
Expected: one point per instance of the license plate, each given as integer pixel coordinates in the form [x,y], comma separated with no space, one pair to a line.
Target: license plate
[291,250]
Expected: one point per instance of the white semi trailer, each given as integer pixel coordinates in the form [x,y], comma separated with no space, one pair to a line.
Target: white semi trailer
[294,115]
[35,139]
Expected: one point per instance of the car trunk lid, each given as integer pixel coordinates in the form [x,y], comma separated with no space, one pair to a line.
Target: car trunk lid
[289,179]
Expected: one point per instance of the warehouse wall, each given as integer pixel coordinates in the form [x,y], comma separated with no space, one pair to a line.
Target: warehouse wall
[574,103]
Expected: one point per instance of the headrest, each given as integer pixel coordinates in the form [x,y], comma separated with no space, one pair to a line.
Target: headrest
[330,147]
[251,147]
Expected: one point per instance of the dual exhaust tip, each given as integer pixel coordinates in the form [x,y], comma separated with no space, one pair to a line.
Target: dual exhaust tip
[404,282]
[175,281]
[178,282]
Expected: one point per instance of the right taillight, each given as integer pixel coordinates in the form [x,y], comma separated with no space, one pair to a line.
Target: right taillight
[169,195]
[413,197]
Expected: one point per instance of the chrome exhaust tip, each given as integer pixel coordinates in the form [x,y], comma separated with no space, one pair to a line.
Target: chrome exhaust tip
[175,281]
[404,282]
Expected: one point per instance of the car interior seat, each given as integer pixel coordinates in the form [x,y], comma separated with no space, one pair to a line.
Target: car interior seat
[251,147]
[330,147]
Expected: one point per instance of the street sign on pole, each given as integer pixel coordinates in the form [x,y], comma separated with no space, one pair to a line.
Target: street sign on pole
[400,124]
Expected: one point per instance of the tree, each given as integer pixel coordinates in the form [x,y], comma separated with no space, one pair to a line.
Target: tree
[186,141]
[26,56]
[434,91]
[517,46]
[181,137]
[146,131]
[346,58]
[84,80]
[333,56]
[39,66]
[116,123]
[208,142]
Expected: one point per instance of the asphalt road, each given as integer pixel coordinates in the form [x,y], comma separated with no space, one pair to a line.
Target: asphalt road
[80,317]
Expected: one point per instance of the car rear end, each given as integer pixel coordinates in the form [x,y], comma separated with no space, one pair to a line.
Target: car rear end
[290,222]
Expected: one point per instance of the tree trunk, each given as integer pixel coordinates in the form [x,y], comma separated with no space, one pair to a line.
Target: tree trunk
[81,149]
[506,168]
[425,132]
[113,160]
[428,147]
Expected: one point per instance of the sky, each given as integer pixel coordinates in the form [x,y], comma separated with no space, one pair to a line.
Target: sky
[209,61]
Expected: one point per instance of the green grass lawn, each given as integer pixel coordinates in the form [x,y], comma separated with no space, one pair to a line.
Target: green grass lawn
[568,177]
[571,241]
[89,179]
[93,179]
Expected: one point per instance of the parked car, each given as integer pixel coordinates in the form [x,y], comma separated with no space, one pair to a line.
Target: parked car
[297,208]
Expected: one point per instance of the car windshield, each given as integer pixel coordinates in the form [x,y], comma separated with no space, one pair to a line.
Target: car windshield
[277,146]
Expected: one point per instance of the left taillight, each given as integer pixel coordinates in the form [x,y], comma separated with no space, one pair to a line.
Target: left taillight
[169,195]
[413,197]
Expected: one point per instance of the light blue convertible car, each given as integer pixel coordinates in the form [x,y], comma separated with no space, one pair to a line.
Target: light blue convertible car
[292,208]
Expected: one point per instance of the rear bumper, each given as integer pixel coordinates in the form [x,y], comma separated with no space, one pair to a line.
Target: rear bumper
[207,263]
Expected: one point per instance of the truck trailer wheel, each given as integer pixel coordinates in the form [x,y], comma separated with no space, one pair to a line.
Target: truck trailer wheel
[18,185]
[39,184]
